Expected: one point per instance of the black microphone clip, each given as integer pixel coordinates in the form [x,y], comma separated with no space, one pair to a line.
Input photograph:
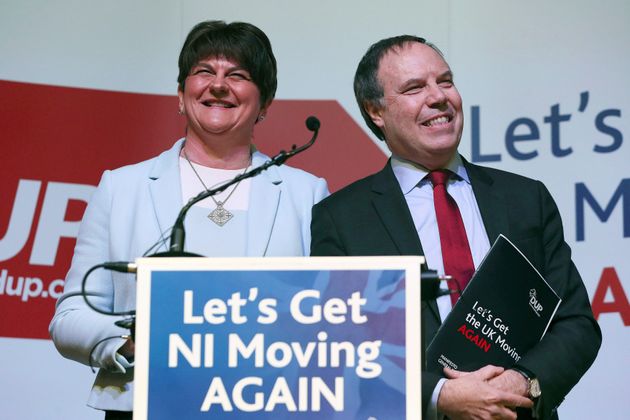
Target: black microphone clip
[430,285]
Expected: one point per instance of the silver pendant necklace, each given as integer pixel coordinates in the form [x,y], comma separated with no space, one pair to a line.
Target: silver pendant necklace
[220,215]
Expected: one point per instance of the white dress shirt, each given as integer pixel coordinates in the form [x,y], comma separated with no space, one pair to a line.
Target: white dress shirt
[418,193]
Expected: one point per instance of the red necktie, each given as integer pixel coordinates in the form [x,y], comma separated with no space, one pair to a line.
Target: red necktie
[456,255]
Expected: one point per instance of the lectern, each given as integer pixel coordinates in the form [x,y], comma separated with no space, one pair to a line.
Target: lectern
[278,338]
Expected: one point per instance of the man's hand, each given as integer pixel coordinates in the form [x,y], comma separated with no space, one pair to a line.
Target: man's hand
[469,395]
[510,381]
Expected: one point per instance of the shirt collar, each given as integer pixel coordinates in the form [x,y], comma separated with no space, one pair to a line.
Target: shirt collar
[410,174]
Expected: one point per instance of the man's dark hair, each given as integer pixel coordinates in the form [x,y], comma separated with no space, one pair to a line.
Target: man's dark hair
[367,88]
[241,42]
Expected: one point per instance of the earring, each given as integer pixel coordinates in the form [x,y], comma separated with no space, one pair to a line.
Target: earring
[181,109]
[261,117]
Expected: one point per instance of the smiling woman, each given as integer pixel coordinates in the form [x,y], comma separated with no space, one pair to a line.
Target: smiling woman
[226,82]
[221,104]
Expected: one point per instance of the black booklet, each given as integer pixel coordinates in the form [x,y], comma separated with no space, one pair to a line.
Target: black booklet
[504,311]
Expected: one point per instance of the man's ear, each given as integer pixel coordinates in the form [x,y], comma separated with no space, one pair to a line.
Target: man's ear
[375,112]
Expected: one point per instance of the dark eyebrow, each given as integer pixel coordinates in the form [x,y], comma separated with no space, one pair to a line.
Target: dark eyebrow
[202,64]
[411,82]
[239,69]
[448,74]
[229,69]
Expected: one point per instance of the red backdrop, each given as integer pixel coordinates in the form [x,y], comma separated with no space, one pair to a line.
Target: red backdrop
[70,135]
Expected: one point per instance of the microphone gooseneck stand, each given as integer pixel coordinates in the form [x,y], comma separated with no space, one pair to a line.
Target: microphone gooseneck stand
[178,234]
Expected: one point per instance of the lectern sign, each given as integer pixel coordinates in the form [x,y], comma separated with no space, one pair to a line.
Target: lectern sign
[278,338]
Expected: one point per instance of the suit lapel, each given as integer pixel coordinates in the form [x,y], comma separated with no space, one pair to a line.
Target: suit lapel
[492,206]
[392,209]
[165,190]
[263,208]
[394,213]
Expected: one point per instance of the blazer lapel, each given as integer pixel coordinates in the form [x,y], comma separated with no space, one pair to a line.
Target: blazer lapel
[166,192]
[263,207]
[492,206]
[392,209]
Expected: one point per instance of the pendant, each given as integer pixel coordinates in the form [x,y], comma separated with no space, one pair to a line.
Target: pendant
[220,215]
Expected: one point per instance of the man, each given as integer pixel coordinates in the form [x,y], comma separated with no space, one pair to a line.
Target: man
[407,96]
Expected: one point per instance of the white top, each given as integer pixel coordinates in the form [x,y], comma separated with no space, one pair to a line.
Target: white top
[418,193]
[203,233]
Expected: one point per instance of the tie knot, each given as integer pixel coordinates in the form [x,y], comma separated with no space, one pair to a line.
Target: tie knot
[439,177]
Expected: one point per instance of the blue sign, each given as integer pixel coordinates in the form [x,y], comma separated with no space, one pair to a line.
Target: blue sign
[277,344]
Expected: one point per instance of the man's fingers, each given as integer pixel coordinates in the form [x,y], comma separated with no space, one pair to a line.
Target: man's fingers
[506,413]
[489,372]
[454,374]
[485,373]
[514,400]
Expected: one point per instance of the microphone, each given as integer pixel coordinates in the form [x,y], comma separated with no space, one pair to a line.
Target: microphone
[178,233]
[312,123]
[429,290]
[120,266]
[430,285]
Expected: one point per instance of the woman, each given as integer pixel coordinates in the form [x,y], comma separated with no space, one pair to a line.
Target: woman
[227,80]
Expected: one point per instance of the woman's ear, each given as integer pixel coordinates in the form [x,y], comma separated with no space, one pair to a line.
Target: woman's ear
[180,95]
[262,113]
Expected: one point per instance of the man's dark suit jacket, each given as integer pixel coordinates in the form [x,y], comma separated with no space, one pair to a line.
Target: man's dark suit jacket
[371,217]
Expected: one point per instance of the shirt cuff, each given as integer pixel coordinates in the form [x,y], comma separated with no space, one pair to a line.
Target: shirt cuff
[432,413]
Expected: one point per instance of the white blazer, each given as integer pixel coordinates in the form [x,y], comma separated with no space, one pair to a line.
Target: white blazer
[132,209]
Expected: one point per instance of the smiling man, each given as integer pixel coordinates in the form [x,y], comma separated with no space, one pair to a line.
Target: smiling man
[430,201]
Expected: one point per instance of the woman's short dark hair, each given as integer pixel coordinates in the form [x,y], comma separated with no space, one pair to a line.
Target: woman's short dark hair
[239,41]
[367,88]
